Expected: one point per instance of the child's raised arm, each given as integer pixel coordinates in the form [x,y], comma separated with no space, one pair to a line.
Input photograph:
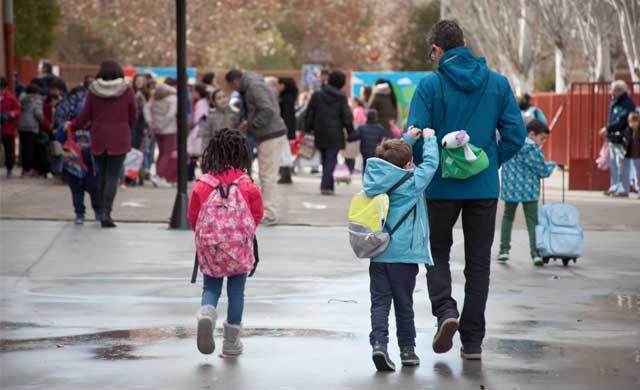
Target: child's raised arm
[424,172]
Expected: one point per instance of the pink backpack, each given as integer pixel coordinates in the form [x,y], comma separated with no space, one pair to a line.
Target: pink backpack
[225,230]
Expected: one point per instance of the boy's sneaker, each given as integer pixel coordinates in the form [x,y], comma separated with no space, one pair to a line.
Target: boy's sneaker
[443,340]
[503,257]
[537,261]
[79,220]
[409,357]
[471,353]
[381,358]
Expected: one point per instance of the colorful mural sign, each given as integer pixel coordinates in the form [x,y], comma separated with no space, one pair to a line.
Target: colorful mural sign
[403,83]
[162,73]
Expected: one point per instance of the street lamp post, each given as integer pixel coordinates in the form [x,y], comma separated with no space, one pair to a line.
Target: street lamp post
[179,214]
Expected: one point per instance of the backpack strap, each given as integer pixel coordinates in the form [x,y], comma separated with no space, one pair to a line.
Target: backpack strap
[210,180]
[412,210]
[400,182]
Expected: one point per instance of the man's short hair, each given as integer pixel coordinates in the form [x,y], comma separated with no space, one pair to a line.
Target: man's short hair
[337,79]
[208,78]
[537,127]
[47,67]
[446,34]
[233,75]
[395,151]
[619,84]
[372,115]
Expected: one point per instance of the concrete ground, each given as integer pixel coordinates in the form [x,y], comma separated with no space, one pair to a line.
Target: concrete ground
[83,307]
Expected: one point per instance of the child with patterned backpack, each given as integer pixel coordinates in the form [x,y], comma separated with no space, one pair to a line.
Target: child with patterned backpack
[225,209]
[520,183]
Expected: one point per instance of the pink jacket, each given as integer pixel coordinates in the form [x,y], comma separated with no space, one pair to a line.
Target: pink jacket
[250,192]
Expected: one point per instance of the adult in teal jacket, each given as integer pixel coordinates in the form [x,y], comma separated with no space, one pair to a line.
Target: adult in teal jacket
[463,79]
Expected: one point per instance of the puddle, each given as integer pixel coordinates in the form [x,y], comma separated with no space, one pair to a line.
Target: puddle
[117,352]
[522,349]
[621,303]
[527,326]
[6,326]
[150,335]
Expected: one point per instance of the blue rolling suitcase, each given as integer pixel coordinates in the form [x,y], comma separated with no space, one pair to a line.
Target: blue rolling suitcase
[558,233]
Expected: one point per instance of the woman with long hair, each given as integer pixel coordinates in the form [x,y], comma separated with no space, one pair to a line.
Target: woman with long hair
[384,100]
[111,109]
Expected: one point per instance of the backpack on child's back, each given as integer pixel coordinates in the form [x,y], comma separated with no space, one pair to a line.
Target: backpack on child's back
[225,230]
[367,218]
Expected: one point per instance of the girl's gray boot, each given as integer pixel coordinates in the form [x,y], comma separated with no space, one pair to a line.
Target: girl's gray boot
[232,346]
[207,317]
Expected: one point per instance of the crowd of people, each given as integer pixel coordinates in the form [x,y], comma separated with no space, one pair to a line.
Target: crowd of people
[104,133]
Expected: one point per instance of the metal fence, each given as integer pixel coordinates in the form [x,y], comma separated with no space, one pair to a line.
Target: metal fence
[575,119]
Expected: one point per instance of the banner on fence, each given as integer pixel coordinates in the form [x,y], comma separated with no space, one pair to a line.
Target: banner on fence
[403,83]
[162,73]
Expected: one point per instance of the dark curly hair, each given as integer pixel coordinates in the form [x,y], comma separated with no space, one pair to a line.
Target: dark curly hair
[446,34]
[227,149]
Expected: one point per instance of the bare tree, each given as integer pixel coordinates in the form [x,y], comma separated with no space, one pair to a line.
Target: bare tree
[557,21]
[628,12]
[596,33]
[502,31]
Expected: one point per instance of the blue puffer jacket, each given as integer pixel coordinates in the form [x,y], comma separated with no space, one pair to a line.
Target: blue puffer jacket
[410,243]
[463,76]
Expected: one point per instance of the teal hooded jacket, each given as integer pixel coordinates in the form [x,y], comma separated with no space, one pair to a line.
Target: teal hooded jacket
[410,243]
[463,77]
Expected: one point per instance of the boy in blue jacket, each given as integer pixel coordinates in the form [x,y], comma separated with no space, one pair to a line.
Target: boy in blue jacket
[393,272]
[521,184]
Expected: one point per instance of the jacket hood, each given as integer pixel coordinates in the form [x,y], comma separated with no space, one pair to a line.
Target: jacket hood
[164,90]
[333,91]
[383,89]
[466,71]
[109,88]
[247,79]
[380,175]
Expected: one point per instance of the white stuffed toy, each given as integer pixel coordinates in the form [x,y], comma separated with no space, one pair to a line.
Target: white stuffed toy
[459,139]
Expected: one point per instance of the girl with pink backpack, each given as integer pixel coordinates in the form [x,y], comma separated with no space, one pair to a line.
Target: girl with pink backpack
[225,209]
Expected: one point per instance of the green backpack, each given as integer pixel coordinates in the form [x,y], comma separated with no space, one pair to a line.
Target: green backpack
[453,163]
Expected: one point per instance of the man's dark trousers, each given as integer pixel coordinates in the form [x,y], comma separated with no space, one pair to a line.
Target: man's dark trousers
[478,224]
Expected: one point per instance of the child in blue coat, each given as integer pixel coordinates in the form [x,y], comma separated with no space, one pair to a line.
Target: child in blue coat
[521,184]
[393,273]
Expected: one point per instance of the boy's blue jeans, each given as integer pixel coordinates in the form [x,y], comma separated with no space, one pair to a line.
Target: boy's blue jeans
[235,293]
[392,282]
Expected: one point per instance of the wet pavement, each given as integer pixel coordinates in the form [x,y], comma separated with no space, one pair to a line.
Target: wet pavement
[299,204]
[85,308]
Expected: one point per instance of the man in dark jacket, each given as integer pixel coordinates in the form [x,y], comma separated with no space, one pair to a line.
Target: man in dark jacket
[464,89]
[264,122]
[370,135]
[621,106]
[328,115]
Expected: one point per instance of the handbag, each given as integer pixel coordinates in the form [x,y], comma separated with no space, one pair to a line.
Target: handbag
[453,163]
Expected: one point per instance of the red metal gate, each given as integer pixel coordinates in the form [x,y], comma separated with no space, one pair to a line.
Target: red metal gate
[588,105]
